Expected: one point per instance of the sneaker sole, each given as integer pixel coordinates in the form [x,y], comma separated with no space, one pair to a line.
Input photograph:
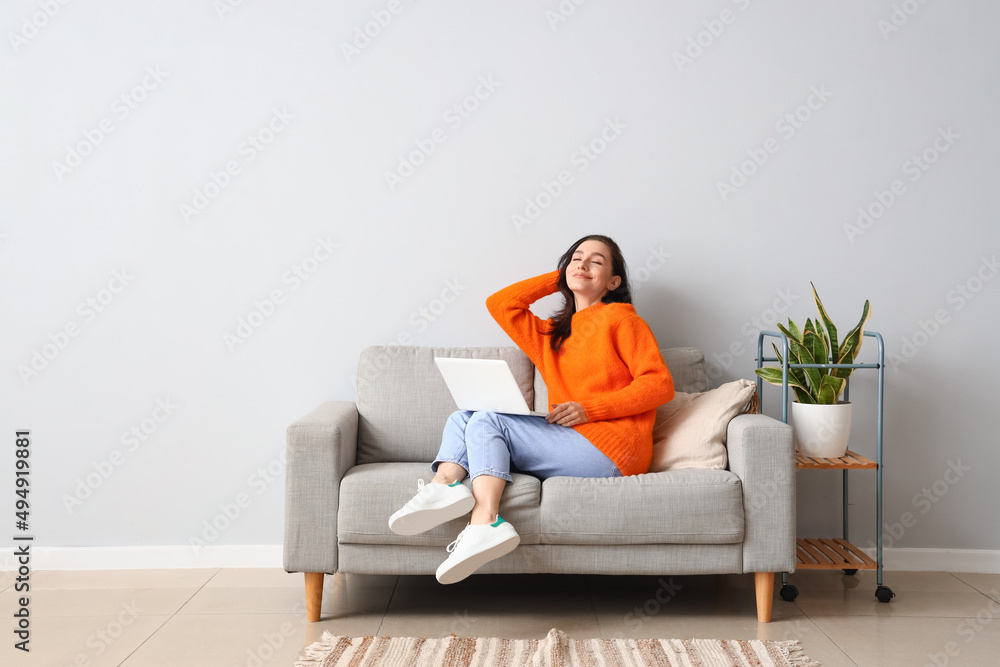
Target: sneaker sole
[423,520]
[463,569]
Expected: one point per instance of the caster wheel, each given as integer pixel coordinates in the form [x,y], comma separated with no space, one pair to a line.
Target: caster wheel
[884,593]
[850,571]
[789,592]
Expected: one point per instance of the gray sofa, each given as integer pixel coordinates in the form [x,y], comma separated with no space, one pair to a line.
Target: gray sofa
[350,465]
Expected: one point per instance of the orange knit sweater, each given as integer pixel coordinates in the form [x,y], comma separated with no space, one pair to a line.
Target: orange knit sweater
[610,364]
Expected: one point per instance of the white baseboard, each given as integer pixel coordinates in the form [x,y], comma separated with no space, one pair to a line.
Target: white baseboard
[270,555]
[146,558]
[940,560]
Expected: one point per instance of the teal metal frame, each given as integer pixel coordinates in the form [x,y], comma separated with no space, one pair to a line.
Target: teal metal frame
[880,366]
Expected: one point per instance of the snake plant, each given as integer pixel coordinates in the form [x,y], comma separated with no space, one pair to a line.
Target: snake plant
[817,343]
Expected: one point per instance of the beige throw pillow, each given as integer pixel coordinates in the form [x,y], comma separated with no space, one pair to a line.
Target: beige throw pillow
[690,430]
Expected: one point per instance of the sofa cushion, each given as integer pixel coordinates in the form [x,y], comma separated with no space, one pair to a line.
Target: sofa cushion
[370,493]
[692,506]
[403,402]
[686,366]
[690,429]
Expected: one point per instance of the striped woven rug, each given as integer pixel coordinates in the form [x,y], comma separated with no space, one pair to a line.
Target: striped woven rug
[556,649]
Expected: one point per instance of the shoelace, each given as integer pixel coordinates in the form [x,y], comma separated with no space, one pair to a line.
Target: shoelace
[420,490]
[451,547]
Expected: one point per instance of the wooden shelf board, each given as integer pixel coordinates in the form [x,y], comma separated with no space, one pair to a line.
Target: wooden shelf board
[831,554]
[850,461]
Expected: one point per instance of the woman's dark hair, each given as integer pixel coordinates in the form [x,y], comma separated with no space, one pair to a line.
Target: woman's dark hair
[562,321]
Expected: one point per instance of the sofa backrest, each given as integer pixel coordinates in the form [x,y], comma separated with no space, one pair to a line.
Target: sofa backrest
[403,402]
[687,366]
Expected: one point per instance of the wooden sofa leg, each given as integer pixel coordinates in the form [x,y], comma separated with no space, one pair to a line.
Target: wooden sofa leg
[764,583]
[314,595]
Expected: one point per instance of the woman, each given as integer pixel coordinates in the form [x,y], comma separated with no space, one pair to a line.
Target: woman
[605,379]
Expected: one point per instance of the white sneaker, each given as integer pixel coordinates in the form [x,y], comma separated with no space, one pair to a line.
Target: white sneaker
[433,505]
[474,547]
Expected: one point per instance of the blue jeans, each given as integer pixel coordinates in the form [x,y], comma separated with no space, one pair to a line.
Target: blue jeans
[496,444]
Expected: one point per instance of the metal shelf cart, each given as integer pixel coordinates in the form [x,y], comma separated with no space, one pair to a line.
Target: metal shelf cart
[835,553]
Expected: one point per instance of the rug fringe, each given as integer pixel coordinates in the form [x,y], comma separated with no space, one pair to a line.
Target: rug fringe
[315,652]
[555,647]
[796,655]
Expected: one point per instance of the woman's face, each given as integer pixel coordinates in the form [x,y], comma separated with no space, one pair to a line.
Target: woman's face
[589,273]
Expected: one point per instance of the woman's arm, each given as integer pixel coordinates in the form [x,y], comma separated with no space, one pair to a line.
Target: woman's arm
[510,307]
[652,384]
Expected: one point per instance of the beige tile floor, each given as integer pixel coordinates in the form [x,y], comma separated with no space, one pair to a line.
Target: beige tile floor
[256,617]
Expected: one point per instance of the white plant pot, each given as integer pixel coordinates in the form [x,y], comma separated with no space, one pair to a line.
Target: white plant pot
[822,431]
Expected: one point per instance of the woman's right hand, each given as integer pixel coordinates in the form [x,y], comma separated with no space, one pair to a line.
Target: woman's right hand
[570,413]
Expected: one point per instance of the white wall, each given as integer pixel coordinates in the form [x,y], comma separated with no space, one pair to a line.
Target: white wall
[336,125]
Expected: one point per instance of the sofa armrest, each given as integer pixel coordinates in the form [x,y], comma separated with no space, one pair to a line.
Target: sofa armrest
[762,455]
[320,447]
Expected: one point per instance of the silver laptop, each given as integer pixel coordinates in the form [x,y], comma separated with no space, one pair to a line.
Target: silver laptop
[483,384]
